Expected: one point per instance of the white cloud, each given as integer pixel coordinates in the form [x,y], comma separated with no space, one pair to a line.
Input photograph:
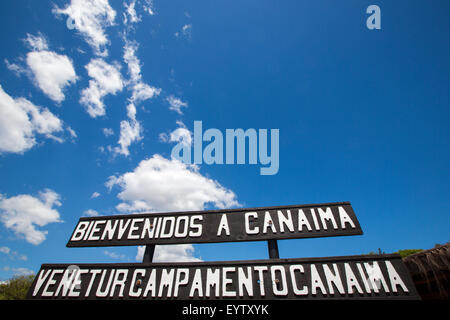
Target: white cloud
[90,213]
[133,63]
[179,134]
[20,121]
[36,43]
[130,131]
[72,132]
[114,255]
[140,90]
[95,195]
[106,79]
[51,72]
[24,213]
[176,104]
[148,7]
[13,254]
[44,122]
[159,184]
[17,69]
[22,271]
[186,31]
[163,137]
[19,256]
[108,132]
[130,13]
[5,250]
[136,206]
[91,18]
[182,135]
[140,253]
[170,253]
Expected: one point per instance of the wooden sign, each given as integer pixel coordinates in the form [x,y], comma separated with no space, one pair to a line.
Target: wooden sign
[354,277]
[253,224]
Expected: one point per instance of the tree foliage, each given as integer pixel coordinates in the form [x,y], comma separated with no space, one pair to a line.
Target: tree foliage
[16,288]
[407,252]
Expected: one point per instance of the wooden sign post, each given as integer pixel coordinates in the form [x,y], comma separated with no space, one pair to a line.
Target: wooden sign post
[354,277]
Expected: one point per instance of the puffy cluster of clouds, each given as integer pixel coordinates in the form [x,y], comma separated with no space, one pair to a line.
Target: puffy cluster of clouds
[105,79]
[14,67]
[90,18]
[131,16]
[156,184]
[36,42]
[140,90]
[51,72]
[160,184]
[176,104]
[170,253]
[24,213]
[21,121]
[131,129]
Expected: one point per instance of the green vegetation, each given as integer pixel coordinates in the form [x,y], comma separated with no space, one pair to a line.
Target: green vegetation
[407,252]
[402,253]
[16,288]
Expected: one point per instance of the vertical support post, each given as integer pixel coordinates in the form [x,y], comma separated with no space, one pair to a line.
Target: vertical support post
[148,254]
[273,249]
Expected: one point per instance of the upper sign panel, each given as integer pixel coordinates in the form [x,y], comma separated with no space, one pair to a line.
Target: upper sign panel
[253,224]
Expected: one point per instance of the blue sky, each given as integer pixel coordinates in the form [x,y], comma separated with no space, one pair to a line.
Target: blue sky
[363,117]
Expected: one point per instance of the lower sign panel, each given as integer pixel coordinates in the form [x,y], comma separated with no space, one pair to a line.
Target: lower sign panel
[355,277]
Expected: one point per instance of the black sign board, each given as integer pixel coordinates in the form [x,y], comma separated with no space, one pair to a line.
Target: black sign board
[354,277]
[253,224]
